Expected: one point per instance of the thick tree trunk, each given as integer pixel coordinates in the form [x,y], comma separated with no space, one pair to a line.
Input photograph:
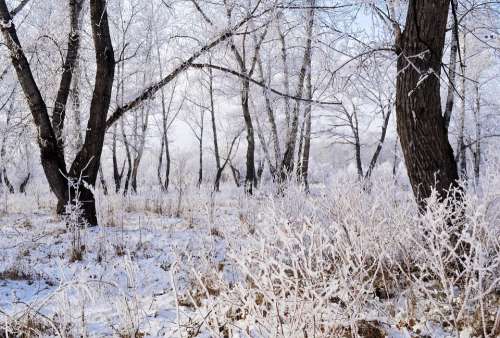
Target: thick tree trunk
[52,158]
[420,124]
[87,161]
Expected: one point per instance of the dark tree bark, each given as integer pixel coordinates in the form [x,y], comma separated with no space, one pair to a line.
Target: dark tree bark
[420,124]
[104,184]
[117,173]
[357,142]
[83,171]
[129,159]
[52,158]
[247,70]
[250,157]
[380,144]
[4,179]
[86,163]
[59,112]
[24,184]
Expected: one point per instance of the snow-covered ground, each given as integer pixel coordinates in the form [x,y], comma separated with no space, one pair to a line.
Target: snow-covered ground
[339,262]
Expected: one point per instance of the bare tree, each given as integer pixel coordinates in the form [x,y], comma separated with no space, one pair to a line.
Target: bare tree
[247,70]
[286,166]
[168,117]
[84,168]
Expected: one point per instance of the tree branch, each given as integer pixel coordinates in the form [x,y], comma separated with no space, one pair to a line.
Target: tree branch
[261,84]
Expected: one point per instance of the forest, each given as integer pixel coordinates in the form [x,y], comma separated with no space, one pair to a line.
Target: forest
[250,168]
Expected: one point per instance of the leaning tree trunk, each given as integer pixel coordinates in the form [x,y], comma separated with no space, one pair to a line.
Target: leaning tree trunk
[420,124]
[52,159]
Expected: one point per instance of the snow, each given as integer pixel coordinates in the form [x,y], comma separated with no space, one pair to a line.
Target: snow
[145,272]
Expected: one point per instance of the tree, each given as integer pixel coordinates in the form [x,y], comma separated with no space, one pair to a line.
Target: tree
[420,124]
[286,166]
[84,169]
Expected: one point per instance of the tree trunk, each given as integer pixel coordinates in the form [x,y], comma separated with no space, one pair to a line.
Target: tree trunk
[24,184]
[376,154]
[59,112]
[452,69]
[214,130]
[117,174]
[286,167]
[86,164]
[200,153]
[304,165]
[461,154]
[250,157]
[129,159]
[52,159]
[357,143]
[236,175]
[87,161]
[77,120]
[272,121]
[103,181]
[477,146]
[218,175]
[4,180]
[420,124]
